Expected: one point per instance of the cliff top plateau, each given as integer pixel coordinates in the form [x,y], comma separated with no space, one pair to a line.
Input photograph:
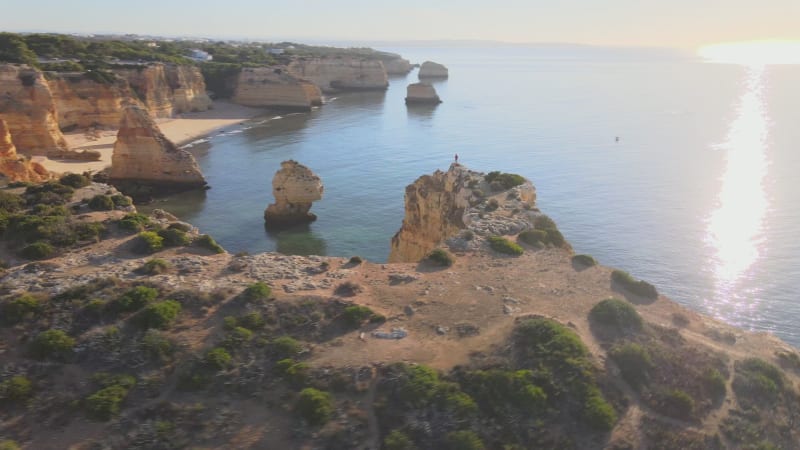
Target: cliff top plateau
[129,331]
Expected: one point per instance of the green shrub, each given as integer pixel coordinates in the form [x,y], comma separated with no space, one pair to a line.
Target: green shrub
[757,381]
[533,237]
[356,260]
[348,289]
[638,287]
[464,440]
[418,384]
[598,413]
[355,315]
[634,362]
[285,347]
[23,307]
[461,404]
[507,180]
[548,339]
[397,440]
[134,222]
[107,402]
[133,300]
[584,260]
[10,202]
[49,193]
[503,245]
[101,202]
[676,403]
[16,388]
[52,344]
[121,200]
[158,346]
[148,242]
[174,237]
[492,204]
[617,314]
[8,444]
[315,406]
[236,338]
[257,292]
[496,390]
[209,243]
[292,371]
[218,358]
[251,321]
[37,250]
[714,383]
[555,237]
[159,315]
[440,257]
[544,222]
[88,231]
[154,266]
[74,180]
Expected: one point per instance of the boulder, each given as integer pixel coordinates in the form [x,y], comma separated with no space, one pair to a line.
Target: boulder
[295,187]
[430,69]
[421,94]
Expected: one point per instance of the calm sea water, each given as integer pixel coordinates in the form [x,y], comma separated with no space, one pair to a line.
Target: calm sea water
[699,196]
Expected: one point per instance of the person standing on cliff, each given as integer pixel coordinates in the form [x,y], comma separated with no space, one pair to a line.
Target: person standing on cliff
[456,158]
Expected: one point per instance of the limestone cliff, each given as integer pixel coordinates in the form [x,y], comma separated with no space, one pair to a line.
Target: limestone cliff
[430,69]
[275,88]
[397,66]
[143,154]
[84,103]
[422,94]
[341,74]
[166,90]
[295,187]
[27,106]
[15,167]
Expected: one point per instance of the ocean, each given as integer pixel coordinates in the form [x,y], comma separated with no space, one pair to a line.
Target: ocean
[699,195]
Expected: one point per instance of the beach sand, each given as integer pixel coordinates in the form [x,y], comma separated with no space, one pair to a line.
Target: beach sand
[180,130]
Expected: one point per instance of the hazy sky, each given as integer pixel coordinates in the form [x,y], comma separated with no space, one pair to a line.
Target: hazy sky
[671,23]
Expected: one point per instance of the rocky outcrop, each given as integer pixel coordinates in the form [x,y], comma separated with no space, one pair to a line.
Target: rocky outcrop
[142,154]
[421,94]
[26,104]
[166,90]
[397,66]
[295,187]
[14,167]
[83,103]
[342,74]
[275,88]
[430,69]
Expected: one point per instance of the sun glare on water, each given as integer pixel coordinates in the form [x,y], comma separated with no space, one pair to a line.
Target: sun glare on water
[753,52]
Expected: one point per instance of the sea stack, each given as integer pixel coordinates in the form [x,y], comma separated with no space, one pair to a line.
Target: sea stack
[142,154]
[295,187]
[430,69]
[421,94]
[15,167]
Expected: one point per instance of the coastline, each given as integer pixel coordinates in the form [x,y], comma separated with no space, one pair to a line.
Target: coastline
[181,130]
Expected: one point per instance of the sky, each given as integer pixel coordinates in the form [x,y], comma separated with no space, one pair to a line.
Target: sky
[661,23]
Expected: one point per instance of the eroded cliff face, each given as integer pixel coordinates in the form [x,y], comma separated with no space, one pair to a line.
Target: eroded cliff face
[143,154]
[275,88]
[14,167]
[342,74]
[295,187]
[397,66]
[27,106]
[166,90]
[84,103]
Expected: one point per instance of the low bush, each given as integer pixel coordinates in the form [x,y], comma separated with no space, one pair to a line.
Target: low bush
[10,202]
[285,347]
[397,440]
[23,307]
[158,347]
[174,237]
[148,242]
[757,381]
[8,444]
[315,406]
[74,180]
[356,260]
[533,237]
[631,284]
[348,289]
[237,337]
[506,180]
[251,321]
[159,315]
[133,300]
[492,204]
[464,440]
[121,200]
[53,343]
[292,371]
[714,383]
[134,222]
[675,403]
[355,315]
[209,243]
[218,358]
[503,245]
[598,413]
[153,266]
[16,388]
[634,363]
[49,193]
[106,402]
[38,250]
[584,260]
[615,313]
[101,202]
[257,292]
[440,257]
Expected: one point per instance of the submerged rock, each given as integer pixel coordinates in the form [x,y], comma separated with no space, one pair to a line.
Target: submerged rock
[295,187]
[430,69]
[421,94]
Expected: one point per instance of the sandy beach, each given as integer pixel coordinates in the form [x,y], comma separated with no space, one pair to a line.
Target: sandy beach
[180,130]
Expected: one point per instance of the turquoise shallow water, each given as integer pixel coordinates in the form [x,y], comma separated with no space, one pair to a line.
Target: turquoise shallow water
[699,196]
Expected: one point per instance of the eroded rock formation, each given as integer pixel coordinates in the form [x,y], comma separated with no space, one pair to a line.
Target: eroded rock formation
[167,89]
[84,103]
[342,74]
[275,88]
[14,167]
[26,104]
[143,154]
[397,66]
[295,187]
[430,69]
[421,94]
